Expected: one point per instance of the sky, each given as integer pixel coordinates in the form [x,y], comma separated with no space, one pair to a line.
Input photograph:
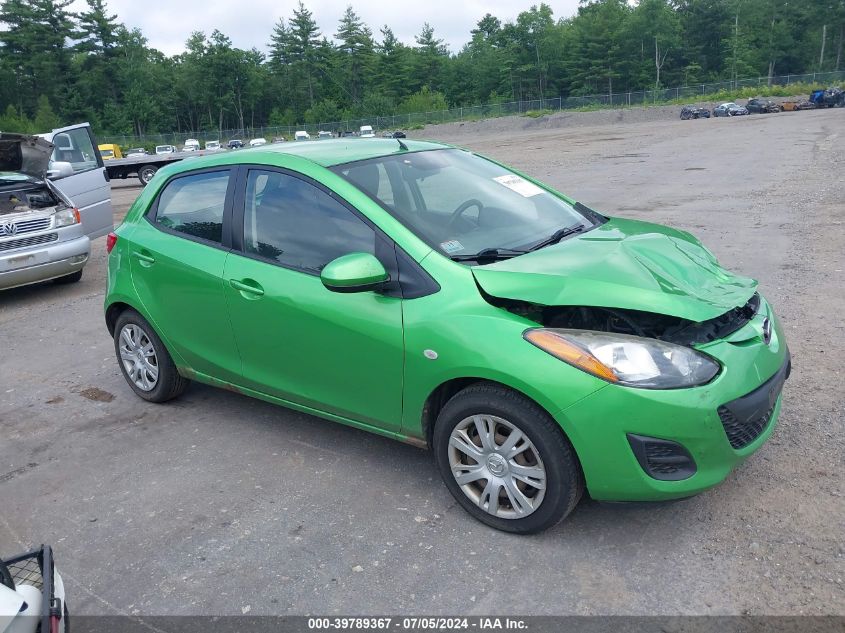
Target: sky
[248,23]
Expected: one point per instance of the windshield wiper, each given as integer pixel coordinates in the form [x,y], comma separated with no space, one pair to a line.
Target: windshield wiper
[558,235]
[488,255]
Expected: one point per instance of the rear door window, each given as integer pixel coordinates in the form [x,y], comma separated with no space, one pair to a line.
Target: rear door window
[194,205]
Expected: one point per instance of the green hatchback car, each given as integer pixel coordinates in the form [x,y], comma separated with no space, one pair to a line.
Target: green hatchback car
[426,293]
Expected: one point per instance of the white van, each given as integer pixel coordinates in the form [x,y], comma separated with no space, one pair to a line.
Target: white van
[301,135]
[366,131]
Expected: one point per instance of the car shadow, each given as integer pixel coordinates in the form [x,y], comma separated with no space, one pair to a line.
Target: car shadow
[410,469]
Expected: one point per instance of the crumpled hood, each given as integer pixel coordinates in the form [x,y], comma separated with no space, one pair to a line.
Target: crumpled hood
[622,264]
[25,154]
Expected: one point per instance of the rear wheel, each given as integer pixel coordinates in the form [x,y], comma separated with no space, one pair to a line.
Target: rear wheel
[144,360]
[505,460]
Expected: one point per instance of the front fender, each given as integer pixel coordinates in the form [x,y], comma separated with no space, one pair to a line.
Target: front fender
[463,336]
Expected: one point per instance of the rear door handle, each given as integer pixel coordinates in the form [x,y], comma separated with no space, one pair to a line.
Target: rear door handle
[143,258]
[252,287]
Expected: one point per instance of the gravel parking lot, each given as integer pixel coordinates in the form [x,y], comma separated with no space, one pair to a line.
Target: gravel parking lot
[220,504]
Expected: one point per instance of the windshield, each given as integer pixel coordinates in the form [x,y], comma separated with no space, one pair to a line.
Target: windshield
[462,204]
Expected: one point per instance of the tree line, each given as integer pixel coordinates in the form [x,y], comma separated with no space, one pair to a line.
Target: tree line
[58,66]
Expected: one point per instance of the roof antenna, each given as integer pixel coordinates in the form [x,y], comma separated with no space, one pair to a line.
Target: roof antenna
[402,145]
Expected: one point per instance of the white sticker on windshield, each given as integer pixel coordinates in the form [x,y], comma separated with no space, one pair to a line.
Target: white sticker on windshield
[520,185]
[452,246]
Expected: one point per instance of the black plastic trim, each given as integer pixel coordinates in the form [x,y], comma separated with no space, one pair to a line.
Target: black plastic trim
[747,417]
[661,459]
[413,278]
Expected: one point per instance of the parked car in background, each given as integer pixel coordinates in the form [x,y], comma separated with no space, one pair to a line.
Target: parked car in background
[366,131]
[347,134]
[729,109]
[257,142]
[279,139]
[322,134]
[396,134]
[41,232]
[833,97]
[191,145]
[694,112]
[793,106]
[165,149]
[762,106]
[109,151]
[235,143]
[301,135]
[212,146]
[136,151]
[430,310]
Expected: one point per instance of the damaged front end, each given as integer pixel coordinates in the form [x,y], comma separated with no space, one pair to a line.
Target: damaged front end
[662,327]
[625,277]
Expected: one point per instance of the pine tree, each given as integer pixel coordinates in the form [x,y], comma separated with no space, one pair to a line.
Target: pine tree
[355,48]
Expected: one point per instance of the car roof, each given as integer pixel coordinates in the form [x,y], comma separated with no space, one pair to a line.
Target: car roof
[346,150]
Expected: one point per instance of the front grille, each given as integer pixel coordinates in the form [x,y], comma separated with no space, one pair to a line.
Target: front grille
[28,241]
[31,226]
[745,418]
[741,434]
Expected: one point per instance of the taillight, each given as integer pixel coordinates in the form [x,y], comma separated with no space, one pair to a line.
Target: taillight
[111,240]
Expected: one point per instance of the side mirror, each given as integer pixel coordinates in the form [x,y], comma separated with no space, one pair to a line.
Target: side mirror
[59,170]
[355,272]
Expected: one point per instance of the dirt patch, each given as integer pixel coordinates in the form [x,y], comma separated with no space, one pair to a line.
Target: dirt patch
[96,394]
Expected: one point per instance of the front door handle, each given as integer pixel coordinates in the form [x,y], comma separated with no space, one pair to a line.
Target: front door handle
[248,286]
[144,258]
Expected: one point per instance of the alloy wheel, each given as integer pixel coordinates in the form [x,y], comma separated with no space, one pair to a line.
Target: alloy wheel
[138,356]
[497,466]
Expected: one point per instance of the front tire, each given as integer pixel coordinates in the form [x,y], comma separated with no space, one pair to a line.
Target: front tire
[144,360]
[146,173]
[505,460]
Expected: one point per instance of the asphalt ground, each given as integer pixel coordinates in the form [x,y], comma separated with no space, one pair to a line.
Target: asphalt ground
[217,503]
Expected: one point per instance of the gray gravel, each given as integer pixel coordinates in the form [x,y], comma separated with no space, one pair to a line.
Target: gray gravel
[221,504]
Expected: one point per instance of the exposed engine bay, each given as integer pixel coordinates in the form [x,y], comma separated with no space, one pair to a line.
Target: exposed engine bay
[26,198]
[634,322]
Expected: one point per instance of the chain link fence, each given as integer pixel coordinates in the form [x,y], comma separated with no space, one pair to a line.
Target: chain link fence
[417,120]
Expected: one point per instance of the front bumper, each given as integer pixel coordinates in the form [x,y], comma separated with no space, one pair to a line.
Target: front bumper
[601,425]
[43,262]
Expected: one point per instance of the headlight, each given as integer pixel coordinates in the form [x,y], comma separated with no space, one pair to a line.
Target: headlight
[66,217]
[627,360]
